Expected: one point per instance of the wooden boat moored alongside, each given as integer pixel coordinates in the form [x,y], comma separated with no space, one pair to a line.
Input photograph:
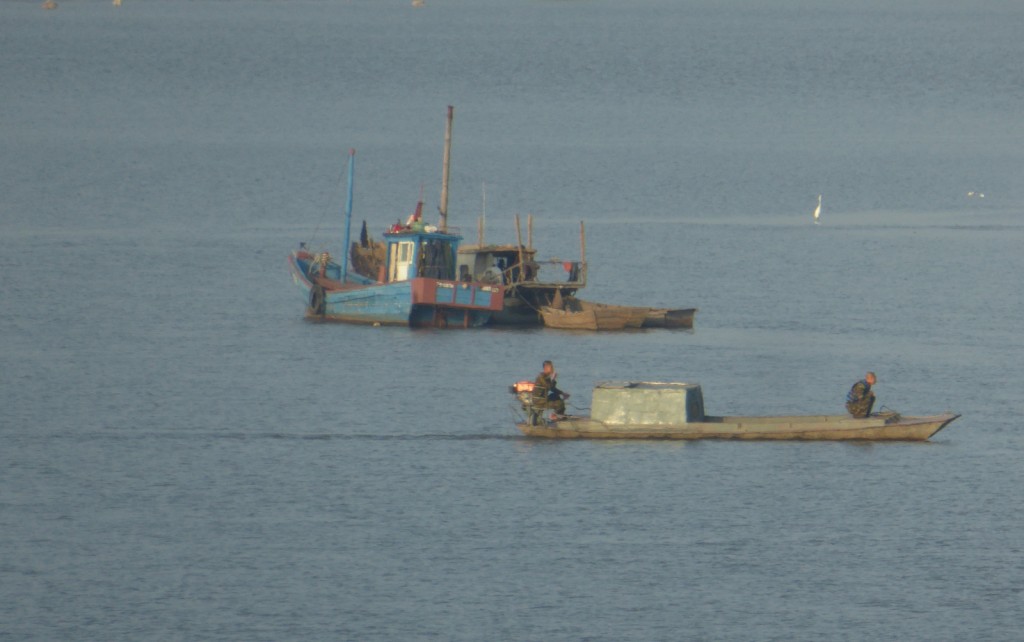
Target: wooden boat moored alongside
[580,314]
[593,319]
[635,316]
[647,410]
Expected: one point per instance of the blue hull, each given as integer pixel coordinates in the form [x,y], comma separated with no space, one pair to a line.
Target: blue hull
[366,302]
[389,304]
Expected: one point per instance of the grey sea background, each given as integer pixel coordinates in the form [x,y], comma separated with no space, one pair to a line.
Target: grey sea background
[183,457]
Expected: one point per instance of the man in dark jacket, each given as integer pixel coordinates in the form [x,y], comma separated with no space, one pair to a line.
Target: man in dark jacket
[545,390]
[861,397]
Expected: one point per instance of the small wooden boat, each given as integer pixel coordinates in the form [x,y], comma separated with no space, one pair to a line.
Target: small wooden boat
[645,410]
[639,316]
[665,318]
[584,319]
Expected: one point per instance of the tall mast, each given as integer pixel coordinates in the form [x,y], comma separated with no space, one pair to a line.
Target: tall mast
[443,223]
[348,216]
[583,244]
[483,215]
[519,247]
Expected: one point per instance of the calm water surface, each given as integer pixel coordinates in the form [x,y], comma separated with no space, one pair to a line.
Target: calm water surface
[185,458]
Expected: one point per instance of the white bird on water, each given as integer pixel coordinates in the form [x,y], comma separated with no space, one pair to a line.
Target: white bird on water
[817,211]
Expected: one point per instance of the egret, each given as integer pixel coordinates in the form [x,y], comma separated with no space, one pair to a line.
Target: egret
[817,211]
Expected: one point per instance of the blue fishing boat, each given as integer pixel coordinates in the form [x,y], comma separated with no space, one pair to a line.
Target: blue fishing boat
[417,285]
[418,289]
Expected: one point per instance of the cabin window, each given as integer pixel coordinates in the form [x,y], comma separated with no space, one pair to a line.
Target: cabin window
[436,259]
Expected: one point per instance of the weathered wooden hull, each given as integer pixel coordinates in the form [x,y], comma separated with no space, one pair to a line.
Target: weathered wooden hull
[665,318]
[633,315]
[809,428]
[593,319]
[417,302]
[640,316]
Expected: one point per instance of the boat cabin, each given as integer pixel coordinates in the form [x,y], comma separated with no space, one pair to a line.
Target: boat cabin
[518,265]
[412,254]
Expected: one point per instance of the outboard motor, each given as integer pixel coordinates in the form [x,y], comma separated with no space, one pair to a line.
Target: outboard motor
[523,390]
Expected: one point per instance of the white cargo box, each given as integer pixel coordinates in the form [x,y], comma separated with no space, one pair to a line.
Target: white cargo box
[647,403]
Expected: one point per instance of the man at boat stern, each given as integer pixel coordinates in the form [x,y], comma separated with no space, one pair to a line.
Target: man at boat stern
[545,390]
[861,397]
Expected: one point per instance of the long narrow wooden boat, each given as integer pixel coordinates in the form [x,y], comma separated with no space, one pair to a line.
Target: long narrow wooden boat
[584,319]
[645,410]
[819,428]
[640,316]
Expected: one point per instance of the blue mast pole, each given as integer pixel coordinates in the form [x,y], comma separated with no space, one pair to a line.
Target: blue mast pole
[348,216]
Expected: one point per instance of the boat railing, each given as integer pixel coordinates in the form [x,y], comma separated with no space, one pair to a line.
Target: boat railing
[547,273]
[399,228]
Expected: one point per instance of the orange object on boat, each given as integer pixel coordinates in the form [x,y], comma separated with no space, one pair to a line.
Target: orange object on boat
[523,386]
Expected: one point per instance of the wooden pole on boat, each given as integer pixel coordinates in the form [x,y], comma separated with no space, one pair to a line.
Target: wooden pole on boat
[583,244]
[443,223]
[348,216]
[482,221]
[519,244]
[529,231]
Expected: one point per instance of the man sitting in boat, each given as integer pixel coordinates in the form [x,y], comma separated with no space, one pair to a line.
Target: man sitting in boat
[545,390]
[861,397]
